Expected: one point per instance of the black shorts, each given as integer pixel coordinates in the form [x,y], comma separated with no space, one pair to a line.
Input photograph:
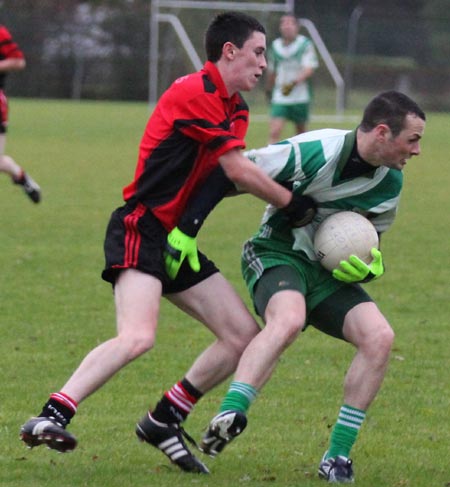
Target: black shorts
[327,316]
[135,239]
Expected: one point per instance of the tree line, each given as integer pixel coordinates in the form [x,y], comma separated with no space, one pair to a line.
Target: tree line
[100,48]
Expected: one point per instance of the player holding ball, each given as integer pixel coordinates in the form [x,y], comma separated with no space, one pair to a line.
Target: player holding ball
[359,171]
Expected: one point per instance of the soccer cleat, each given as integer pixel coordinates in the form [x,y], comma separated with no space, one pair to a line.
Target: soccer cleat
[169,439]
[47,431]
[30,187]
[222,429]
[336,470]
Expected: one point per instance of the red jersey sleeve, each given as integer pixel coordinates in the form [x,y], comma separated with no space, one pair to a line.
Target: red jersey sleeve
[8,48]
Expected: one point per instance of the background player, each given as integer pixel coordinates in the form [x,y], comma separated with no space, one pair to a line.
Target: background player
[292,61]
[12,59]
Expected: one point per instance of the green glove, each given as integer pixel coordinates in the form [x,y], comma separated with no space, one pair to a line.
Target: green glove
[178,247]
[355,270]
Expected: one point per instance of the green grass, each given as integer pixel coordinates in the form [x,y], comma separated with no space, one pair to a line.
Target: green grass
[55,308]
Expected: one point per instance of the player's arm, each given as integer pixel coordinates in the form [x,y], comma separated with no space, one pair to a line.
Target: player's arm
[249,178]
[270,80]
[12,57]
[181,241]
[270,83]
[270,74]
[12,64]
[305,74]
[216,187]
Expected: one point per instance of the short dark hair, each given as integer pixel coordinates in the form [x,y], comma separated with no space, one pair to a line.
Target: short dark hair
[289,14]
[390,108]
[235,27]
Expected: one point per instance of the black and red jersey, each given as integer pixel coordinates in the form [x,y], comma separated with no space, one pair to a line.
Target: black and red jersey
[8,49]
[194,122]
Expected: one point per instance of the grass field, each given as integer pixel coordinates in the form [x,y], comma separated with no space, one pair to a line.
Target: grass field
[55,308]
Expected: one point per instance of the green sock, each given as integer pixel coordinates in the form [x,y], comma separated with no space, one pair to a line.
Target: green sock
[345,431]
[239,397]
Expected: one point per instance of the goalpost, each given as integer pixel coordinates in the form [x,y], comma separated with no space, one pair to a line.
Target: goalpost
[156,17]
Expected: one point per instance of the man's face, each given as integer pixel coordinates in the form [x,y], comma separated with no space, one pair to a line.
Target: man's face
[396,150]
[250,62]
[289,27]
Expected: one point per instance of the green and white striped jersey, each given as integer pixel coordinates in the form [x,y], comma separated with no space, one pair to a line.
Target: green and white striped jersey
[314,162]
[287,61]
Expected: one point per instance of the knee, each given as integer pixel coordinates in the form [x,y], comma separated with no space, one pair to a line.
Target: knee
[3,162]
[380,341]
[239,341]
[136,344]
[287,327]
[385,337]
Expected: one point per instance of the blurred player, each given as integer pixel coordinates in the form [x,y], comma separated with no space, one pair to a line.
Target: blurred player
[12,59]
[292,61]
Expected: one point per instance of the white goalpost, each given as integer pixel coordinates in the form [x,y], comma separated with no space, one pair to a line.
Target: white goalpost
[157,17]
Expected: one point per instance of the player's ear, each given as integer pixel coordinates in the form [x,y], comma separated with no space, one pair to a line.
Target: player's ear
[229,50]
[382,132]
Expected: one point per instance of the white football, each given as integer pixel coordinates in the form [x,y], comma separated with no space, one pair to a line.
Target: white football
[343,234]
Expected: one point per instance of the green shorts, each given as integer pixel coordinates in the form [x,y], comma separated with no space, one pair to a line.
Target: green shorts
[297,113]
[268,271]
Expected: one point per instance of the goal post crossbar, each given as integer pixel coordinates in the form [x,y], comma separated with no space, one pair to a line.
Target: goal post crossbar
[157,17]
[226,5]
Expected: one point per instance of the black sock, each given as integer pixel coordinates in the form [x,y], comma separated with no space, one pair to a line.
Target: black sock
[193,391]
[54,409]
[166,412]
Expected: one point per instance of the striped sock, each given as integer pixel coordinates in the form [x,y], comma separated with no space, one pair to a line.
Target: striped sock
[345,431]
[177,403]
[61,407]
[239,397]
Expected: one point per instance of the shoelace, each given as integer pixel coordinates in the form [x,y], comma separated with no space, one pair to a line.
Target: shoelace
[188,437]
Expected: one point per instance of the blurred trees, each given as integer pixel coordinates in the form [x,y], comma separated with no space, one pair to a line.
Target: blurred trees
[100,48]
[90,49]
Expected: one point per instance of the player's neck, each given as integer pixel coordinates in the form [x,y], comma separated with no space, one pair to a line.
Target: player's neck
[367,148]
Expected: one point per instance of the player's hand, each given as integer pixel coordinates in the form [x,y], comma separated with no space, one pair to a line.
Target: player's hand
[300,210]
[178,247]
[355,270]
[287,88]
